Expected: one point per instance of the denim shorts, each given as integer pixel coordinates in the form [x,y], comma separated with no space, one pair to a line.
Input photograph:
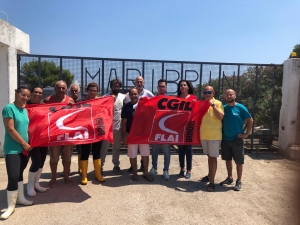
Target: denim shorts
[233,149]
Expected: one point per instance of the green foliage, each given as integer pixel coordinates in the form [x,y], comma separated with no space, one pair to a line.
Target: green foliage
[267,92]
[49,74]
[297,50]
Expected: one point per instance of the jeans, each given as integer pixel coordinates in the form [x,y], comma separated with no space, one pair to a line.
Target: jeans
[188,151]
[115,148]
[167,156]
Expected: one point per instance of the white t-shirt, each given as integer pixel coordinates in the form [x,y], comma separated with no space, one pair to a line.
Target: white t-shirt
[144,93]
[118,105]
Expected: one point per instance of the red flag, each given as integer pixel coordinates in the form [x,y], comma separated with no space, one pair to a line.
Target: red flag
[80,123]
[167,120]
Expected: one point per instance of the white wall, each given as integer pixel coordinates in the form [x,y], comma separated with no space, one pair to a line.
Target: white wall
[12,42]
[289,123]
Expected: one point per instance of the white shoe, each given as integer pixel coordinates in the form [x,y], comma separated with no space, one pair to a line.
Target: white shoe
[37,186]
[11,202]
[30,185]
[21,200]
[166,175]
[152,172]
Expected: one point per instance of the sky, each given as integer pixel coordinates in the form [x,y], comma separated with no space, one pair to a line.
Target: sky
[232,31]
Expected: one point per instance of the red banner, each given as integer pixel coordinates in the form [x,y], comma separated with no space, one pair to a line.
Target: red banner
[167,120]
[61,124]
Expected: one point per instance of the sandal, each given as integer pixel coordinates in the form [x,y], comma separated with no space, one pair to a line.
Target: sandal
[204,179]
[148,178]
[52,183]
[211,187]
[134,178]
[69,182]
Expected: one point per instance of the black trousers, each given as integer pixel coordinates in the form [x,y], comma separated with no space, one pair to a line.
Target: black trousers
[86,149]
[15,165]
[38,156]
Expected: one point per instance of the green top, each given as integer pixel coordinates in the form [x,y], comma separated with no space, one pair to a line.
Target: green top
[21,121]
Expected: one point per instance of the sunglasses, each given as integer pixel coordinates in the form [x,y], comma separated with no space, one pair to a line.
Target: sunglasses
[207,92]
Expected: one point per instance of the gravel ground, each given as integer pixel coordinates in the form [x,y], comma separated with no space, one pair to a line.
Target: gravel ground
[268,196]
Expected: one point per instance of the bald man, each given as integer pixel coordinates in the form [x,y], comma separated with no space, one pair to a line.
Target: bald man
[60,96]
[142,92]
[211,134]
[236,115]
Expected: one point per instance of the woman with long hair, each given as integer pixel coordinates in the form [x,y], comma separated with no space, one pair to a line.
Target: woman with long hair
[92,91]
[185,90]
[37,155]
[15,120]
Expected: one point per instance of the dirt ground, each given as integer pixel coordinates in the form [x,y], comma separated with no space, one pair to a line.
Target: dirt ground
[269,195]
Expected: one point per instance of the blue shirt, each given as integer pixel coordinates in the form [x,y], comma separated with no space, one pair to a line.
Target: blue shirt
[233,121]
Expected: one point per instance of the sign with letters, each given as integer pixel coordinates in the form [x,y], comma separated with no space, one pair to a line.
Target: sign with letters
[80,123]
[167,120]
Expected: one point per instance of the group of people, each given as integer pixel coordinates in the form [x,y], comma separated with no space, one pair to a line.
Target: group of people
[221,126]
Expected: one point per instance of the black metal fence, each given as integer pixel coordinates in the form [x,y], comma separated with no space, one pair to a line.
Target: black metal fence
[258,86]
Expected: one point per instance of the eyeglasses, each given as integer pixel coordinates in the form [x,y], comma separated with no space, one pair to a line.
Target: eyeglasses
[24,95]
[92,90]
[207,92]
[38,92]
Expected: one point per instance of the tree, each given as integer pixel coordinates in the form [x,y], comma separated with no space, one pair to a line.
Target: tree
[297,50]
[266,92]
[49,74]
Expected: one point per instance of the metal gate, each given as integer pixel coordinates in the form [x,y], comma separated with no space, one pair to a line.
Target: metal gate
[258,86]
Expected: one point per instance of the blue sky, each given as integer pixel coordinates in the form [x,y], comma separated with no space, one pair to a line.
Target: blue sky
[234,31]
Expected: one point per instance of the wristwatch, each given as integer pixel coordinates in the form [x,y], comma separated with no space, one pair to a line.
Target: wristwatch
[212,105]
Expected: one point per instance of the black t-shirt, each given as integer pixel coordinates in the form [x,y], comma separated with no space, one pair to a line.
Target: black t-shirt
[128,113]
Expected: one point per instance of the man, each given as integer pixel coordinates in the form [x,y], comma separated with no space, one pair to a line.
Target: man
[127,119]
[115,86]
[234,118]
[142,92]
[66,150]
[162,90]
[75,95]
[211,134]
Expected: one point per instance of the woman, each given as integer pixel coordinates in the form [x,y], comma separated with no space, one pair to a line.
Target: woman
[15,120]
[38,155]
[185,90]
[92,90]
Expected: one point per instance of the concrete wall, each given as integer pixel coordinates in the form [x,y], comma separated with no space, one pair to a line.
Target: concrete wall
[289,125]
[12,42]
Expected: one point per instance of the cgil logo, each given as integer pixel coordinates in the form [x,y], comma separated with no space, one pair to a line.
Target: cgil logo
[67,125]
[169,126]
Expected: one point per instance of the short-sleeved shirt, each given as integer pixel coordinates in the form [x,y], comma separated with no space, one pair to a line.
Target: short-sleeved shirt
[144,93]
[128,113]
[118,105]
[233,121]
[21,121]
[211,126]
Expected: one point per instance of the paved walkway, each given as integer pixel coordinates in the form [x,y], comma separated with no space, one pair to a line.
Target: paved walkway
[267,197]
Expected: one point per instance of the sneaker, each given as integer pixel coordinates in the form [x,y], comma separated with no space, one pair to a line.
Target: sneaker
[181,174]
[152,172]
[227,181]
[166,175]
[188,175]
[238,186]
[117,170]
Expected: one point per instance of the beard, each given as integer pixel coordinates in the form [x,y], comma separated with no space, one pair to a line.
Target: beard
[115,92]
[230,101]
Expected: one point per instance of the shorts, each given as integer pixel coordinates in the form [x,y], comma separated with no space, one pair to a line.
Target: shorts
[233,149]
[211,147]
[133,150]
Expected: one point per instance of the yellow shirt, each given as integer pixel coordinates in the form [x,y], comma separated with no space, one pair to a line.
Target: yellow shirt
[211,127]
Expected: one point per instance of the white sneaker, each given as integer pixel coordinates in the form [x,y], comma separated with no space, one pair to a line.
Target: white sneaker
[152,172]
[166,175]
